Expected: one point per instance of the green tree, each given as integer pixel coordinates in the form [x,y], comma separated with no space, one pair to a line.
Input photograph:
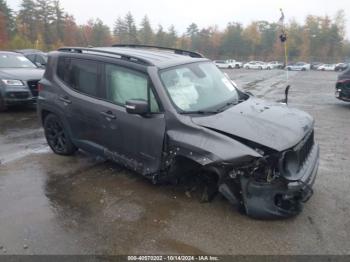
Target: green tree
[58,21]
[146,34]
[160,36]
[7,27]
[170,37]
[45,13]
[100,34]
[27,20]
[120,31]
[192,33]
[233,43]
[131,29]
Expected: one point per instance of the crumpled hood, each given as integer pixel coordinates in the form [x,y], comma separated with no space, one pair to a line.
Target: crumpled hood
[269,124]
[23,74]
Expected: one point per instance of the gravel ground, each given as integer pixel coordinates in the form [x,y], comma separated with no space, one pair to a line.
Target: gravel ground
[82,205]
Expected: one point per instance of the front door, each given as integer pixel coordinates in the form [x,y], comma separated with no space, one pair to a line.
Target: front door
[139,144]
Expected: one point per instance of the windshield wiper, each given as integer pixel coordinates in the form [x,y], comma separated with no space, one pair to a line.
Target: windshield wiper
[199,112]
[227,105]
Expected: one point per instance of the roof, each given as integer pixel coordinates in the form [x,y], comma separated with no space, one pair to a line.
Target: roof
[160,58]
[26,51]
[10,52]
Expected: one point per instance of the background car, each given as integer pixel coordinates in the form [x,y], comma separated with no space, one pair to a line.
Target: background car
[235,63]
[326,67]
[19,79]
[341,67]
[255,65]
[37,57]
[274,65]
[315,65]
[224,64]
[342,87]
[300,66]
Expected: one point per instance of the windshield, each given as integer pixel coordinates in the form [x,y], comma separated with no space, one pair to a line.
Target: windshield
[15,61]
[198,86]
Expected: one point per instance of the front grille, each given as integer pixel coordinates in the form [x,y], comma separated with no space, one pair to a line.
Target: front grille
[304,148]
[18,95]
[33,86]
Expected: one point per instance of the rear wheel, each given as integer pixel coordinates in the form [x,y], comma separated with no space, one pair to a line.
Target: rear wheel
[57,137]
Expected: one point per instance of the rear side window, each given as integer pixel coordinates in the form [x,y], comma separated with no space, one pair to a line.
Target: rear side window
[63,69]
[41,59]
[31,58]
[81,75]
[123,84]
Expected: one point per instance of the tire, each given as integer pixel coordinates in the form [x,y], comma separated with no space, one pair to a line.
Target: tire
[289,69]
[57,136]
[247,67]
[305,69]
[260,67]
[230,67]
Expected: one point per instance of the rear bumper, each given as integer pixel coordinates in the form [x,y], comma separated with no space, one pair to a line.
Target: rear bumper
[281,199]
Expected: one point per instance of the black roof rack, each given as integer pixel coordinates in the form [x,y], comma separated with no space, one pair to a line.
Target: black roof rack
[176,51]
[130,58]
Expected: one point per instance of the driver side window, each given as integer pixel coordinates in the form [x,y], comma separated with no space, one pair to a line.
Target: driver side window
[123,84]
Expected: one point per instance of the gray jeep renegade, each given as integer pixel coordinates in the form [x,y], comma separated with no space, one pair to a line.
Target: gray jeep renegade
[168,113]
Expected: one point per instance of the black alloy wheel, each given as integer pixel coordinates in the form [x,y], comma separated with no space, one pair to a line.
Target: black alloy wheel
[57,137]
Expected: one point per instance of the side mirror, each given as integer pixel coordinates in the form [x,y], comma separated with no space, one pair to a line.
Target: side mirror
[137,107]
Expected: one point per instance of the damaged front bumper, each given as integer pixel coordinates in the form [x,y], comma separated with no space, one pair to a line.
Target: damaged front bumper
[280,199]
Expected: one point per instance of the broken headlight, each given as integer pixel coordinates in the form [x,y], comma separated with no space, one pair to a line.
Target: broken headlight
[290,164]
[264,170]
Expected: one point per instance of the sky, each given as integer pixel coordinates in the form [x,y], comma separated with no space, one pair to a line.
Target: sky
[204,13]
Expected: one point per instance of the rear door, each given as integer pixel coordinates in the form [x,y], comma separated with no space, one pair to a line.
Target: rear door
[140,138]
[82,90]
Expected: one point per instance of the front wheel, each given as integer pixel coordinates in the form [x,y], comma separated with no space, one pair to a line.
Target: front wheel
[57,137]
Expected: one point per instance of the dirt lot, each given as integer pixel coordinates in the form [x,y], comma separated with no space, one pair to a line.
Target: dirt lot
[81,205]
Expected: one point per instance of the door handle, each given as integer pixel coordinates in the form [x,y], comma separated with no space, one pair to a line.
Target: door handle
[65,99]
[108,114]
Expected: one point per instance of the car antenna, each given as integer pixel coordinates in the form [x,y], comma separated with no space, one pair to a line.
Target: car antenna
[283,38]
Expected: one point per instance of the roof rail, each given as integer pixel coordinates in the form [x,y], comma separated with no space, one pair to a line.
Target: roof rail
[129,58]
[176,50]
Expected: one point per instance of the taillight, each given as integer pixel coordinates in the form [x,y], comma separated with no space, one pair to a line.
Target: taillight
[40,87]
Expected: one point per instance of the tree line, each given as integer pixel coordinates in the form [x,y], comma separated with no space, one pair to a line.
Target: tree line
[45,25]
